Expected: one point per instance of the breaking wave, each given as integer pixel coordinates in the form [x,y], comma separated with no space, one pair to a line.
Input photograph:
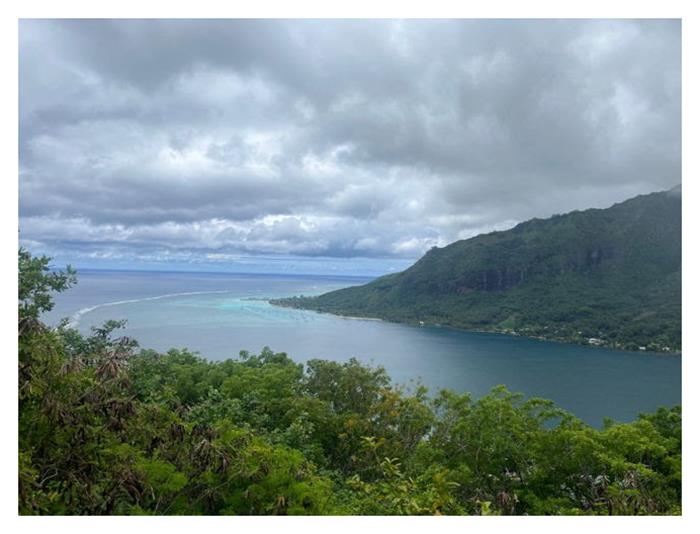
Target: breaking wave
[75,318]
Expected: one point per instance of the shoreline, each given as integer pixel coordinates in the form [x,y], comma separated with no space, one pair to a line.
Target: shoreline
[473,331]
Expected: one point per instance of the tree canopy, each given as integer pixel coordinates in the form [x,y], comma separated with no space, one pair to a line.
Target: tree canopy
[108,428]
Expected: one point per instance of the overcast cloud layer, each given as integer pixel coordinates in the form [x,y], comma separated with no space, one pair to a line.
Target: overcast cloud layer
[209,141]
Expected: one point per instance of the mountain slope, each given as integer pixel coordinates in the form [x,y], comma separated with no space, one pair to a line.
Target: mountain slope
[612,274]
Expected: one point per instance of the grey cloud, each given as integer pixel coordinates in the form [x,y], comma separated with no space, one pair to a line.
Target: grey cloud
[335,138]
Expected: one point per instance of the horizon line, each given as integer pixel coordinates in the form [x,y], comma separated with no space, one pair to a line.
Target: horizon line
[137,270]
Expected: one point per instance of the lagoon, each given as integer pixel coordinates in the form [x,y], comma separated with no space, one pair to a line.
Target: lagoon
[219,315]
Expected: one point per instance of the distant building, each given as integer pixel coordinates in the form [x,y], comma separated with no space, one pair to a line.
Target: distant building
[595,341]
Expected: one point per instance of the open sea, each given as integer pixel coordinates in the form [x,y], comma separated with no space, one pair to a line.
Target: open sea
[219,315]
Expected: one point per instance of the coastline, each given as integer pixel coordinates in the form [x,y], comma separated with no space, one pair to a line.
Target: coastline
[608,346]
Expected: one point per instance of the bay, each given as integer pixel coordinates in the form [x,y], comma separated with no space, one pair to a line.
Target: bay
[219,315]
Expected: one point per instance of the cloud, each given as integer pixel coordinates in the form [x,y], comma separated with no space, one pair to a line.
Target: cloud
[334,138]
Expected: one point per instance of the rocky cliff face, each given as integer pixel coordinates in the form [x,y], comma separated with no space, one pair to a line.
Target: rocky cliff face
[509,277]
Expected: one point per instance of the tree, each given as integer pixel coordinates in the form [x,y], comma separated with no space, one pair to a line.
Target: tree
[36,282]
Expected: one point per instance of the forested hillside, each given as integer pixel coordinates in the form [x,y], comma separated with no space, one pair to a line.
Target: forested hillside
[107,429]
[601,276]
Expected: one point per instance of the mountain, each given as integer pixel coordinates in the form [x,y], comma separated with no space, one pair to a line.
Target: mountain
[600,276]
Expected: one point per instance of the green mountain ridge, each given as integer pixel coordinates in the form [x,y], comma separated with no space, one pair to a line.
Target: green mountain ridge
[601,276]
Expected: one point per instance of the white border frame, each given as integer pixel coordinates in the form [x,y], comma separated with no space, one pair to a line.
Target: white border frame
[13,10]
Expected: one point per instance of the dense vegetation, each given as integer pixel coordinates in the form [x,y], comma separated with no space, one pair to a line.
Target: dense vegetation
[104,429]
[601,276]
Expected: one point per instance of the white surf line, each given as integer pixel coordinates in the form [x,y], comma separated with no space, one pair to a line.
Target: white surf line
[75,318]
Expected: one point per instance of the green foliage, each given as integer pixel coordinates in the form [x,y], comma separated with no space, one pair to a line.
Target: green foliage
[104,429]
[613,275]
[36,282]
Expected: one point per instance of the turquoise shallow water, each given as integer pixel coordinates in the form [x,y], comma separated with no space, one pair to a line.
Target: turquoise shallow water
[218,315]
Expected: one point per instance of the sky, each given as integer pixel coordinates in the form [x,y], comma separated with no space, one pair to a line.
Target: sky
[330,146]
